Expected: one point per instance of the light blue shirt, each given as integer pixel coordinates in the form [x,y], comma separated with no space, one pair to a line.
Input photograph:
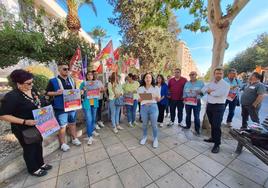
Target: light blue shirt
[235,85]
[193,89]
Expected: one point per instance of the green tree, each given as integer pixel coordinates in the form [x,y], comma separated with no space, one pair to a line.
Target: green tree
[211,15]
[98,34]
[152,43]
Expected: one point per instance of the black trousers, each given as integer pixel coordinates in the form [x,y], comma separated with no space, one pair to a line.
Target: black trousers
[32,153]
[249,110]
[179,105]
[215,114]
[99,110]
[161,109]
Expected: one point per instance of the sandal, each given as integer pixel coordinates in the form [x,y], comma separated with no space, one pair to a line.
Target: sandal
[46,167]
[39,173]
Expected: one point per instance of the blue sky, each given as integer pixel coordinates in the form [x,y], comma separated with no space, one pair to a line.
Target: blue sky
[251,22]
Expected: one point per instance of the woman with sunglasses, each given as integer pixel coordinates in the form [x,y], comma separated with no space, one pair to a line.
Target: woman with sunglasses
[91,91]
[16,108]
[149,109]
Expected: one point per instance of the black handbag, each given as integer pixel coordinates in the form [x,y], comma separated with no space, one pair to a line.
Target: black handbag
[32,135]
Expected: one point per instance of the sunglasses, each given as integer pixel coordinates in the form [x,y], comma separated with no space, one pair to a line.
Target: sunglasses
[29,83]
[65,69]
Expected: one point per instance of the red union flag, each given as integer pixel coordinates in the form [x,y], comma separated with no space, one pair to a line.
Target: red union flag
[106,52]
[76,64]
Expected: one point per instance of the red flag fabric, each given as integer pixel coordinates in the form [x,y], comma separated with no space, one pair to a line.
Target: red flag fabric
[106,52]
[76,64]
[99,69]
[116,54]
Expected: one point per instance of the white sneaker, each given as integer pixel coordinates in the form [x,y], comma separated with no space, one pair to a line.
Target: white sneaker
[64,147]
[155,143]
[115,130]
[119,127]
[161,124]
[97,127]
[95,133]
[135,123]
[100,123]
[143,140]
[90,141]
[76,142]
[130,124]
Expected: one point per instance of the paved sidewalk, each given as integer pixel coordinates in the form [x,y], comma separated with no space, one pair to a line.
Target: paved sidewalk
[182,160]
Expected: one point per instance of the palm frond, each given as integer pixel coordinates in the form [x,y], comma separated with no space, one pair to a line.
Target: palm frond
[89,3]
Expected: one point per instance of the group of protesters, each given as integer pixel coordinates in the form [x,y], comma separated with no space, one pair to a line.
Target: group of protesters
[151,93]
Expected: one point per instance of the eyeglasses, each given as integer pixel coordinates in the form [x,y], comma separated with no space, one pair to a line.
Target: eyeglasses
[177,72]
[191,74]
[29,83]
[65,69]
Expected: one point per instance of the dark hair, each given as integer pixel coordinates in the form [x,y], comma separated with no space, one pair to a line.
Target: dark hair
[20,76]
[178,69]
[232,70]
[92,72]
[218,69]
[162,79]
[257,75]
[113,77]
[130,75]
[143,79]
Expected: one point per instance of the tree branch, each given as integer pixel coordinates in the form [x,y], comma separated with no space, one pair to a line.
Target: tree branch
[237,6]
[217,9]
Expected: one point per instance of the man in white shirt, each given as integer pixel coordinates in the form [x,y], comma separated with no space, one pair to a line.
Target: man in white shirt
[217,91]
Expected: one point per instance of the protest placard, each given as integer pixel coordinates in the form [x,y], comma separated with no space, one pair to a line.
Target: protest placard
[72,99]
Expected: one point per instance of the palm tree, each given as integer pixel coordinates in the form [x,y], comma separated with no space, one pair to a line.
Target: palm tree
[73,22]
[98,34]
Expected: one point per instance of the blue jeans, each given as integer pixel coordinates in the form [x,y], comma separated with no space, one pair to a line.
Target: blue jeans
[131,111]
[232,105]
[65,118]
[196,110]
[115,111]
[149,112]
[90,115]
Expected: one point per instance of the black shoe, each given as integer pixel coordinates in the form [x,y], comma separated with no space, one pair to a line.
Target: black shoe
[46,167]
[215,149]
[210,140]
[186,127]
[40,173]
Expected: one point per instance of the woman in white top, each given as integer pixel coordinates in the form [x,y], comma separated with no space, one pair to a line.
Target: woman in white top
[149,109]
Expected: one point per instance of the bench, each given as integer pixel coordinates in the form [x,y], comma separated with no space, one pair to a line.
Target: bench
[260,153]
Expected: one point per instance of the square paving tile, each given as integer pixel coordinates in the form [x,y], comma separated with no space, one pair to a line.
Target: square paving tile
[170,142]
[76,178]
[161,147]
[100,170]
[172,159]
[170,131]
[123,161]
[72,163]
[96,155]
[131,143]
[172,180]
[74,150]
[111,182]
[153,185]
[135,177]
[142,153]
[55,156]
[45,184]
[215,184]
[225,156]
[207,164]
[235,180]
[115,149]
[251,172]
[107,141]
[124,136]
[194,175]
[32,180]
[253,160]
[186,151]
[197,145]
[155,167]
[96,145]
